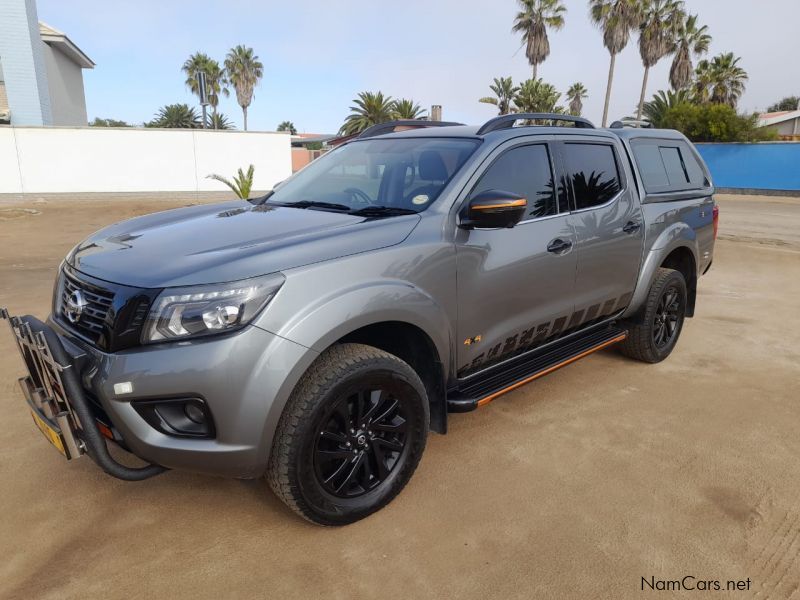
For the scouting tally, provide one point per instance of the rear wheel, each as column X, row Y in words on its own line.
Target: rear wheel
column 351, row 435
column 654, row 331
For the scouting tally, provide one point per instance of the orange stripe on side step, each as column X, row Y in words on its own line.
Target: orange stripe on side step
column 487, row 399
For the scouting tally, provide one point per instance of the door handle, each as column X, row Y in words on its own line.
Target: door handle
column 632, row 227
column 559, row 246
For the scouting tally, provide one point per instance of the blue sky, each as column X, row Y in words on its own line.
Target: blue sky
column 318, row 55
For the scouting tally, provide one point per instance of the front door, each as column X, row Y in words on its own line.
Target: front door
column 515, row 286
column 608, row 226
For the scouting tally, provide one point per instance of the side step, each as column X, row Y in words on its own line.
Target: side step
column 482, row 389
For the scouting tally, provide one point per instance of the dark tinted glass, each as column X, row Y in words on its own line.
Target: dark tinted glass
column 651, row 167
column 524, row 171
column 673, row 163
column 667, row 165
column 593, row 172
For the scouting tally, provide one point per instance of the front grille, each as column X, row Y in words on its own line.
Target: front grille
column 114, row 314
column 95, row 315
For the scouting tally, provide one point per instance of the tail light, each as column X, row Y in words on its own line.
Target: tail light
column 715, row 213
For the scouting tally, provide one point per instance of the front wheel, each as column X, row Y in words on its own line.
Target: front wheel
column 350, row 436
column 654, row 331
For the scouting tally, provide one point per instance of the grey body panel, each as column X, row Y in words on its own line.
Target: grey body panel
column 345, row 272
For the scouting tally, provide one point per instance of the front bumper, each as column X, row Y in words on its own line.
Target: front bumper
column 244, row 378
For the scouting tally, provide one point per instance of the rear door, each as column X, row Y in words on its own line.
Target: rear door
column 608, row 226
column 515, row 286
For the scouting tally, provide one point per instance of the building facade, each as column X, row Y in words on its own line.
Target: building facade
column 41, row 70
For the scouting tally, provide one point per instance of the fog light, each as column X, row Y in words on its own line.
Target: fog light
column 180, row 417
column 195, row 413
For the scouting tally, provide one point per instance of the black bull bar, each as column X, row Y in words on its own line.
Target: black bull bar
column 53, row 391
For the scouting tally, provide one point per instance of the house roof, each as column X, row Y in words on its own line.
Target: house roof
column 54, row 37
column 773, row 118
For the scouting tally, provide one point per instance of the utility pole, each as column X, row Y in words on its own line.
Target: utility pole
column 203, row 93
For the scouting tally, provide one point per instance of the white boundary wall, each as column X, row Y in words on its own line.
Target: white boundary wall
column 97, row 159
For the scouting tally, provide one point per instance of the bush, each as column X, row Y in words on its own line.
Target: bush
column 714, row 123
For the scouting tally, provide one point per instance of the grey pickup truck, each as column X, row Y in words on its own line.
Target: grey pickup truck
column 315, row 335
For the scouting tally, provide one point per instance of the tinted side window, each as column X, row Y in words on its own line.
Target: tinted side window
column 667, row 165
column 592, row 169
column 525, row 171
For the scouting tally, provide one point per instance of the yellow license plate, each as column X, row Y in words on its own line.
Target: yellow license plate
column 51, row 434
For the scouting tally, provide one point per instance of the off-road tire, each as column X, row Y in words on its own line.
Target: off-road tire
column 642, row 328
column 292, row 474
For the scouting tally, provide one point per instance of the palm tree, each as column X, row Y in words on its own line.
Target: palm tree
column 216, row 82
column 244, row 71
column 534, row 95
column 690, row 40
column 504, row 90
column 728, row 79
column 220, row 121
column 176, row 116
column 616, row 18
column 242, row 183
column 575, row 94
column 703, row 82
column 287, row 126
column 532, row 22
column 370, row 109
column 655, row 109
column 407, row 109
column 657, row 33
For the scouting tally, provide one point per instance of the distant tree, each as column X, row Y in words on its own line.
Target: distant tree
column 720, row 80
column 216, row 80
column 788, row 103
column 689, row 40
column 98, row 122
column 287, row 126
column 370, row 109
column 504, row 90
column 532, row 22
column 242, row 183
column 220, row 121
column 176, row 116
column 655, row 110
column 703, row 83
column 244, row 71
column 534, row 95
column 403, row 108
column 576, row 94
column 714, row 123
column 657, row 33
column 616, row 19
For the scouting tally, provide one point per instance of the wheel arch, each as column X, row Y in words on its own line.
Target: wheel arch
column 412, row 345
column 676, row 248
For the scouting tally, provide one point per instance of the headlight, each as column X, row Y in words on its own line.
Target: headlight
column 188, row 312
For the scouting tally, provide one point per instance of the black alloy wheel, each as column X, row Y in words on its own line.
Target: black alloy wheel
column 668, row 311
column 361, row 441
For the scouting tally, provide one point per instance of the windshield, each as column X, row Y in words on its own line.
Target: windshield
column 388, row 175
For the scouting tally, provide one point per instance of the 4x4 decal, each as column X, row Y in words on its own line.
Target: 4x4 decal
column 534, row 336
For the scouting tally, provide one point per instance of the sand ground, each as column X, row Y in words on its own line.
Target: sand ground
column 576, row 486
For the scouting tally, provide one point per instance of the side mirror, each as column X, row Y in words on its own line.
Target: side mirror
column 493, row 209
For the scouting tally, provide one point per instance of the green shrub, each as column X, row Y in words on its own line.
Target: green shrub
column 714, row 123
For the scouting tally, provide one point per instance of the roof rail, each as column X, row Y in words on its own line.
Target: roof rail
column 507, row 121
column 631, row 123
column 389, row 126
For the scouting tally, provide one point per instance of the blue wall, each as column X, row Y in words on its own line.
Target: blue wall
column 765, row 166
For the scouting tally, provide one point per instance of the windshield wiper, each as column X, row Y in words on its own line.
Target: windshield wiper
column 313, row 204
column 382, row 211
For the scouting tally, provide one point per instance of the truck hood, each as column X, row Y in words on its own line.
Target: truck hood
column 227, row 242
